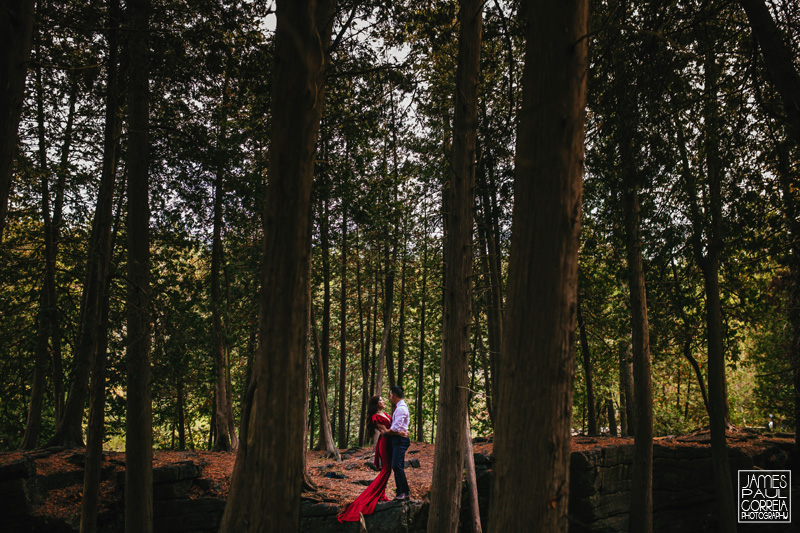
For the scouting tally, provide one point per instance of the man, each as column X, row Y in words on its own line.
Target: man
column 398, row 433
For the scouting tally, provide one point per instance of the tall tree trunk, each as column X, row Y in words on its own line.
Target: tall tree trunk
column 372, row 364
column 778, row 59
column 587, row 372
column 627, row 398
column 472, row 482
column 709, row 263
column 420, row 431
column 267, row 477
column 787, row 80
column 612, row 419
column 459, row 199
column 139, row 414
column 325, row 430
column 68, row 430
column 383, row 354
column 225, row 435
column 538, row 341
column 363, row 348
column 401, row 341
column 95, row 430
column 58, row 210
column 487, row 374
column 47, row 300
column 343, row 336
column 16, row 30
column 641, row 505
column 789, row 188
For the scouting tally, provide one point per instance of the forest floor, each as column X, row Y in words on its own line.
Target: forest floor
column 337, row 482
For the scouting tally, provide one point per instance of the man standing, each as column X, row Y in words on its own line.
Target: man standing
column 398, row 432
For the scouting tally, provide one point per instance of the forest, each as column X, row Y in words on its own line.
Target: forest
column 225, row 224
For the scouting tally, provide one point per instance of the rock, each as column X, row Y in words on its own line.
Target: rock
column 187, row 515
column 414, row 463
column 483, row 459
column 335, row 475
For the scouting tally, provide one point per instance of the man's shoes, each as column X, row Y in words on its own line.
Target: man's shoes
column 401, row 496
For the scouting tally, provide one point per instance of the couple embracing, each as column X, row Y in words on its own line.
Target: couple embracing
column 390, row 454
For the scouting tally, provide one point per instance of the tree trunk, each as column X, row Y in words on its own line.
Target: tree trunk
column 387, row 325
column 58, row 210
column 472, row 483
column 363, row 350
column 267, row 477
column 16, row 22
column 68, row 430
column 587, row 371
column 139, row 414
column 538, row 341
column 225, row 431
column 401, row 341
column 95, row 430
column 709, row 265
column 778, row 59
column 47, row 303
column 325, row 430
column 343, row 336
column 459, row 199
column 627, row 399
column 487, row 374
column 420, row 431
column 641, row 505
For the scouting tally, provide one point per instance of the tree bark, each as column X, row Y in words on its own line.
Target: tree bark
column 68, row 430
column 538, row 340
column 343, row 335
column 58, row 210
column 709, row 262
column 265, row 487
column 16, row 30
column 139, row 414
column 383, row 353
column 401, row 334
column 627, row 398
column 459, row 199
column 325, row 430
column 225, row 438
column 95, row 430
column 363, row 350
column 419, row 412
column 47, row 300
column 778, row 59
column 641, row 505
column 472, row 482
column 587, row 372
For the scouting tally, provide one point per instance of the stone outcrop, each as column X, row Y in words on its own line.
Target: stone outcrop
column 186, row 501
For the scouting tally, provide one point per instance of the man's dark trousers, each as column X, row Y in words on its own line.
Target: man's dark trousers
column 399, row 447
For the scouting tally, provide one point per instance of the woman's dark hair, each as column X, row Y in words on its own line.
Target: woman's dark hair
column 372, row 409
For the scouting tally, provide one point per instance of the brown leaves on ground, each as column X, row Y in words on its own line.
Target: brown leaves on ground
column 338, row 483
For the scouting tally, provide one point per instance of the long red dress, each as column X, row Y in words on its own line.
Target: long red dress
column 376, row 491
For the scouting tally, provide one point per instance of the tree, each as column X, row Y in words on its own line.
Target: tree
column 139, row 412
column 459, row 199
column 265, row 487
column 16, row 29
column 95, row 430
column 225, row 437
column 531, row 485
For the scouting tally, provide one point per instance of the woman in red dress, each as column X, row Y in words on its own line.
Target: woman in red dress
column 376, row 491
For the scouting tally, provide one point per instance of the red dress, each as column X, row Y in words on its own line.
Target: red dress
column 376, row 491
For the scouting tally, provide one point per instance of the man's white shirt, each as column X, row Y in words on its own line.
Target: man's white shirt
column 400, row 417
